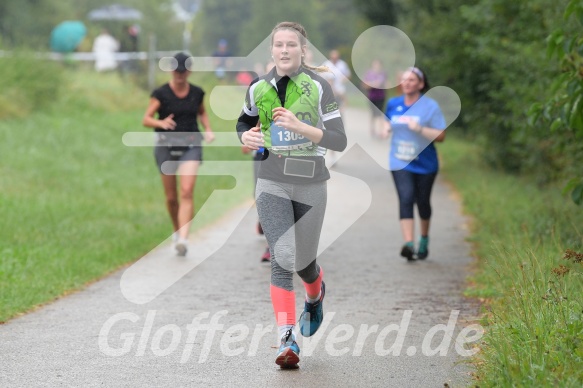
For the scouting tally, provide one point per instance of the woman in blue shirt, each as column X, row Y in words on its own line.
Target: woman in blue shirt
column 416, row 122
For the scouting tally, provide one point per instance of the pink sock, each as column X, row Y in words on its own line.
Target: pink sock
column 314, row 288
column 284, row 305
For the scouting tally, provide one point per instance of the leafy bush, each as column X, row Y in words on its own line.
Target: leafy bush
column 493, row 53
column 563, row 112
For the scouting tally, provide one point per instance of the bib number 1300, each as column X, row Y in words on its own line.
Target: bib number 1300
column 286, row 140
column 287, row 136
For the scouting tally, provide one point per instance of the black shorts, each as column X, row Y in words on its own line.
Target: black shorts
column 165, row 153
column 380, row 105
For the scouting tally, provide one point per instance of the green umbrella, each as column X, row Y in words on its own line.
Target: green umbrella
column 67, row 36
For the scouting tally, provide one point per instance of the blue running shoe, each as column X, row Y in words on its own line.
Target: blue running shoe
column 289, row 351
column 313, row 314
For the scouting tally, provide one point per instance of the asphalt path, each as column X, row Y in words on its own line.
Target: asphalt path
column 198, row 321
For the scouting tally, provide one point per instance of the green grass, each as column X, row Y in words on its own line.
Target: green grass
column 28, row 84
column 532, row 290
column 76, row 203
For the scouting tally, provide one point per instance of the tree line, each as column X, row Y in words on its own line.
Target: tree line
column 330, row 23
column 518, row 68
column 517, row 65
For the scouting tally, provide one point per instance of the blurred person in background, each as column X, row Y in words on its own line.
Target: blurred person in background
column 415, row 123
column 375, row 82
column 258, row 156
column 338, row 75
column 222, row 59
column 179, row 106
column 104, row 47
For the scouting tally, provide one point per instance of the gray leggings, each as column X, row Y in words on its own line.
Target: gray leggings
column 291, row 216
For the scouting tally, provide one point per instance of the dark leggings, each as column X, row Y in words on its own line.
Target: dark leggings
column 414, row 189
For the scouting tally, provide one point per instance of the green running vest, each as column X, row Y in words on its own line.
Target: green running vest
column 302, row 98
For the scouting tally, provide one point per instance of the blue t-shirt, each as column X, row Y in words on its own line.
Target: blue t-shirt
column 409, row 150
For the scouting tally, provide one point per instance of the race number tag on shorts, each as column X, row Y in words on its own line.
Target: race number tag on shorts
column 406, row 150
column 176, row 152
column 284, row 140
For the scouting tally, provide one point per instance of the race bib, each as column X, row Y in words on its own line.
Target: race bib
column 403, row 119
column 285, row 140
column 406, row 150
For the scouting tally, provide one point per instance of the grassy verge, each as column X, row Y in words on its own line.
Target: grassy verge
column 75, row 203
column 28, row 84
column 529, row 243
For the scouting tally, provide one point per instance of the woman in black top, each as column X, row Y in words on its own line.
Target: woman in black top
column 178, row 150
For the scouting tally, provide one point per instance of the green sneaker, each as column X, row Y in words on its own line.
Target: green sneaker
column 423, row 250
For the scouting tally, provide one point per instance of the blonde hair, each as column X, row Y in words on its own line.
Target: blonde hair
column 303, row 36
